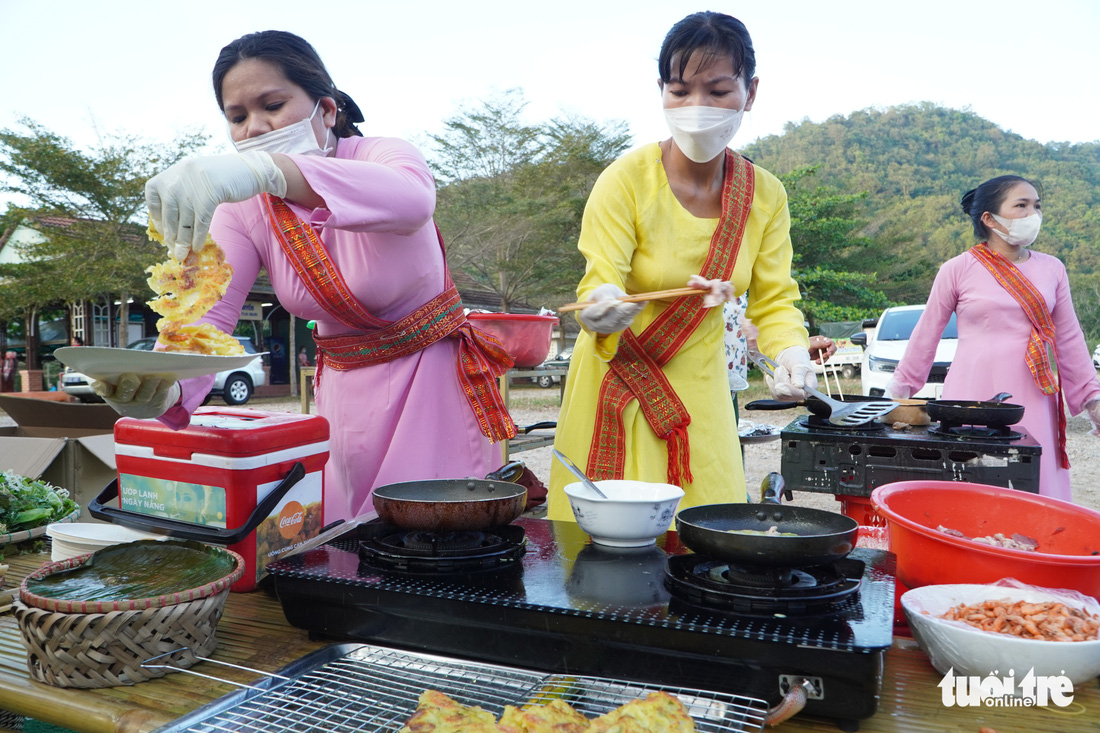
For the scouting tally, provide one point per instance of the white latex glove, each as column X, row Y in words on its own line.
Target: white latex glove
column 182, row 199
column 720, row 290
column 895, row 390
column 140, row 397
column 1093, row 410
column 795, row 372
column 609, row 314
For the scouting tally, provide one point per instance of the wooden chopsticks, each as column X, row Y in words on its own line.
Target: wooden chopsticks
column 639, row 298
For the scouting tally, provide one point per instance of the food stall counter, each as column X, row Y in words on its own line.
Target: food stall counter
column 254, row 633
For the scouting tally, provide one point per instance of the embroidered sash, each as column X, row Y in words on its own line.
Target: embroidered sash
column 1041, row 346
column 636, row 370
column 481, row 357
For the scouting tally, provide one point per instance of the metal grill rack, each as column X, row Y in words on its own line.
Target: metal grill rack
column 361, row 687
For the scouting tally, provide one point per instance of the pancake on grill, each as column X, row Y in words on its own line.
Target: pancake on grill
column 659, row 712
column 554, row 717
column 438, row 713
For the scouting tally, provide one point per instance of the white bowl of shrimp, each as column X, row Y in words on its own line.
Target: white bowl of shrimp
column 1006, row 630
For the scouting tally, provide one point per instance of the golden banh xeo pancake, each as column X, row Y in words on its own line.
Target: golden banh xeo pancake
column 186, row 290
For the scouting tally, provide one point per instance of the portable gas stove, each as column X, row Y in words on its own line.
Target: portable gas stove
column 851, row 462
column 657, row 615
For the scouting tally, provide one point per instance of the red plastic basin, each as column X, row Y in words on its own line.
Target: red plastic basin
column 526, row 336
column 1068, row 535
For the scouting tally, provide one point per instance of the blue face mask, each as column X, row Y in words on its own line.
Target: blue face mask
column 295, row 139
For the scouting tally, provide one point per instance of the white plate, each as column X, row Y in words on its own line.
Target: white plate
column 106, row 364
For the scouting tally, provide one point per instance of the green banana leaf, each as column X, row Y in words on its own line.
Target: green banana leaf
column 142, row 569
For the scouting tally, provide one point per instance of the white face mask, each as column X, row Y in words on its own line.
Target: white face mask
column 703, row 132
column 296, row 139
column 1021, row 232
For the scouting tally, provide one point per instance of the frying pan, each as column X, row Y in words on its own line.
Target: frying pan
column 813, row 404
column 823, row 537
column 967, row 412
column 448, row 505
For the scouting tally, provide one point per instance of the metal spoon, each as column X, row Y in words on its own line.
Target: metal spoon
column 573, row 469
column 1000, row 397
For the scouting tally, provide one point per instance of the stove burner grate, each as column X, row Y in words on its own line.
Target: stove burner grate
column 816, row 422
column 440, row 544
column 706, row 584
column 413, row 551
column 974, row 432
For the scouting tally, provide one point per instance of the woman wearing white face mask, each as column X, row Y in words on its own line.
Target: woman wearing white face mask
column 1018, row 332
column 343, row 225
column 647, row 395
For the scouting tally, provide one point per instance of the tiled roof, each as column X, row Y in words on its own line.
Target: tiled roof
column 136, row 235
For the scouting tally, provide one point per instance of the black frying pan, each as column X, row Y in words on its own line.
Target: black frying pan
column 823, row 537
column 968, row 412
column 448, row 505
column 813, row 404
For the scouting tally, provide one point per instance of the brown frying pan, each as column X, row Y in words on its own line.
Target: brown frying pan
column 448, row 505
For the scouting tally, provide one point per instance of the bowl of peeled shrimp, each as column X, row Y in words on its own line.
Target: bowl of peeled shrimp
column 1006, row 629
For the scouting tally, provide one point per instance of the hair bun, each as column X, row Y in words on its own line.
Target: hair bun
column 968, row 200
column 350, row 107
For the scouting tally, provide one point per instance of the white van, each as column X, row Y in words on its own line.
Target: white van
column 884, row 345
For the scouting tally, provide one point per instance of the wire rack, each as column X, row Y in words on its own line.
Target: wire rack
column 351, row 687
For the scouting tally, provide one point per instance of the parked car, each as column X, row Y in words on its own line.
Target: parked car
column 885, row 344
column 234, row 386
column 561, row 361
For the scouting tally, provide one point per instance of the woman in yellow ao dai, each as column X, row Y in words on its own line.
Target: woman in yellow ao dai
column 649, row 225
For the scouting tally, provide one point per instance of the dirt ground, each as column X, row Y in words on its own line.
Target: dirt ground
column 536, row 405
column 763, row 458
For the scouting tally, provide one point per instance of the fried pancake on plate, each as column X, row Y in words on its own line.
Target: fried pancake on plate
column 187, row 290
column 556, row 716
column 201, row 339
column 659, row 712
column 438, row 713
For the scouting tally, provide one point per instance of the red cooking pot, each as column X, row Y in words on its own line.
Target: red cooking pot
column 1068, row 535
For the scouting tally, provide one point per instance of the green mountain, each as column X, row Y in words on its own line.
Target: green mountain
column 915, row 162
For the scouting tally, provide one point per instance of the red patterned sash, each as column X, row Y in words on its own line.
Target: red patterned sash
column 636, row 370
column 481, row 357
column 1042, row 352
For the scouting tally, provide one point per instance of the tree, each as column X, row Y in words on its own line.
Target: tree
column 916, row 161
column 830, row 260
column 512, row 196
column 101, row 195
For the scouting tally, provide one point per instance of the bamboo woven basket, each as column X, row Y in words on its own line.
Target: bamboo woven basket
column 104, row 643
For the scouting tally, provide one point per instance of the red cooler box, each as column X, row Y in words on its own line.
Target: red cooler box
column 247, row 479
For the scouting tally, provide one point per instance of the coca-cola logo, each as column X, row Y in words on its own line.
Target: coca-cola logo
column 291, row 519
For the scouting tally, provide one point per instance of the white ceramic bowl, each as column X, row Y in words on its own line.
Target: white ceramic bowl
column 972, row 652
column 634, row 514
column 80, row 538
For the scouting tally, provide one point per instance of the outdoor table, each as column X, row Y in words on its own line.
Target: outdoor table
column 254, row 633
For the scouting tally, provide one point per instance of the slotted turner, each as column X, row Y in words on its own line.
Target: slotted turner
column 840, row 413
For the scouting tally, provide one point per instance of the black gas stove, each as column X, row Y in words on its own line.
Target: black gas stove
column 565, row 605
column 816, row 456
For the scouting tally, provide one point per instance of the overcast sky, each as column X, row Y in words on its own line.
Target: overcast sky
column 83, row 68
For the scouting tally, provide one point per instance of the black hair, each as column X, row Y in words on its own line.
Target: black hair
column 988, row 197
column 299, row 63
column 713, row 34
